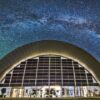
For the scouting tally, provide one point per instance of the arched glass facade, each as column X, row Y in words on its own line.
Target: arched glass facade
column 49, row 76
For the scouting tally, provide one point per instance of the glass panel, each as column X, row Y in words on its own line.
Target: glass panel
column 50, row 76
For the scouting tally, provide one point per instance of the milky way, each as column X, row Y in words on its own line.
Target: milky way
column 73, row 21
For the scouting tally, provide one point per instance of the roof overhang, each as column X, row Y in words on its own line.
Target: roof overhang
column 49, row 47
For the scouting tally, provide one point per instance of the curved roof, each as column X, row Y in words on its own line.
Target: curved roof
column 49, row 47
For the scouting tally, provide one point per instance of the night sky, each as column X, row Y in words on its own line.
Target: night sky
column 73, row 21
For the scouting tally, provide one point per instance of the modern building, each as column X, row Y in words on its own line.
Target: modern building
column 49, row 69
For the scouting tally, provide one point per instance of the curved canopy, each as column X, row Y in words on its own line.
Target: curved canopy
column 49, row 47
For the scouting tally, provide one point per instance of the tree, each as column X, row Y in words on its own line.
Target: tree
column 3, row 91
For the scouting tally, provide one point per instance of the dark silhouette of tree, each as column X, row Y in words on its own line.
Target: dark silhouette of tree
column 3, row 91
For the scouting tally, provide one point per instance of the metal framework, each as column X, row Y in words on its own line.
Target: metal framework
column 55, row 71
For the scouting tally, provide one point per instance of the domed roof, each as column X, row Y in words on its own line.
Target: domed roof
column 49, row 47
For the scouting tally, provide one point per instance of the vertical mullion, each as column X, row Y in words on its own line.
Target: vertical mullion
column 36, row 73
column 24, row 73
column 11, row 77
column 61, row 74
column 74, row 79
column 80, row 84
column 49, row 75
column 55, row 72
column 87, row 79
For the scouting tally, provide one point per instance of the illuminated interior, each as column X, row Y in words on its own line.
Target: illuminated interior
column 49, row 76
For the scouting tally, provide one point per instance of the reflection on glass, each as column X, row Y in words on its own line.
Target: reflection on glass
column 49, row 76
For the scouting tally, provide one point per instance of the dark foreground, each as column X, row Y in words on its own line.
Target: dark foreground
column 93, row 98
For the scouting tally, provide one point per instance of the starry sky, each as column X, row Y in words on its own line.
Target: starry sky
column 72, row 21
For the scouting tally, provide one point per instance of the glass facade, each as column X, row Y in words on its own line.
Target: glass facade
column 49, row 76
